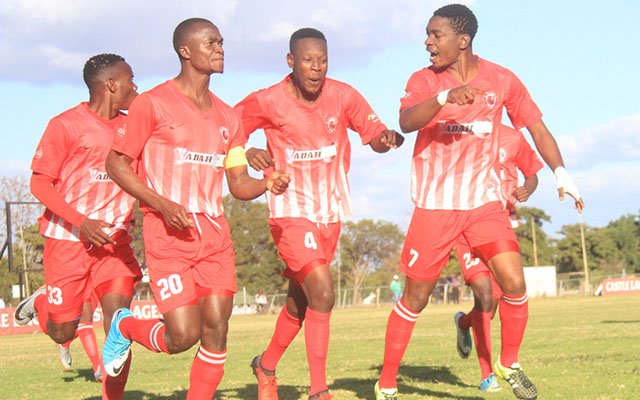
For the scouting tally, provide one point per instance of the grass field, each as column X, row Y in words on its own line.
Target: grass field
column 575, row 348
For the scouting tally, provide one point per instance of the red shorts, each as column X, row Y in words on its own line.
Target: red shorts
column 474, row 268
column 72, row 270
column 186, row 265
column 432, row 234
column 301, row 242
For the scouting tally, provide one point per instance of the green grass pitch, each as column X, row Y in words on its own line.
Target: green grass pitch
column 574, row 348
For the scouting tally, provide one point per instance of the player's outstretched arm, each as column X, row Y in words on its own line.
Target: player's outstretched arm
column 119, row 169
column 548, row 149
column 388, row 139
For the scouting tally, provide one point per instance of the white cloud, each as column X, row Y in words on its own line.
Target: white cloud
column 70, row 31
column 614, row 141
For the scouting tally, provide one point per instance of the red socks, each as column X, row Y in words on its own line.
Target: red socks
column 399, row 328
column 113, row 388
column 316, row 335
column 287, row 328
column 514, row 312
column 206, row 373
column 89, row 342
column 465, row 321
column 481, row 323
column 149, row 333
column 42, row 308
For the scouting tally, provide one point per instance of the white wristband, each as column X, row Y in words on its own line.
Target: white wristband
column 441, row 98
column 564, row 181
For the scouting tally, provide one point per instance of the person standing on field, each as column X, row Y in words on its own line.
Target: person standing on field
column 88, row 218
column 187, row 141
column 305, row 118
column 456, row 106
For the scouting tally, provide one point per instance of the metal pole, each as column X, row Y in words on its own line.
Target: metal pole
column 535, row 242
column 587, row 285
column 339, row 270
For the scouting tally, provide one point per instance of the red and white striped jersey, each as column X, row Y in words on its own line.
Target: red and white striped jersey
column 455, row 158
column 311, row 143
column 181, row 149
column 73, row 151
column 515, row 154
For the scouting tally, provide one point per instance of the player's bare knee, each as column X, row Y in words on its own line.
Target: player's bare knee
column 322, row 300
column 514, row 287
column 183, row 342
column 416, row 301
column 61, row 334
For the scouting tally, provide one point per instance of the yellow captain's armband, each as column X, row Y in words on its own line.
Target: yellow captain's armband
column 235, row 158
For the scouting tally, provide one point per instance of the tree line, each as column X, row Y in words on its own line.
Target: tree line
column 368, row 253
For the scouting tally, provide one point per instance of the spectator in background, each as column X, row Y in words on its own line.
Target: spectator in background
column 397, row 287
column 455, row 289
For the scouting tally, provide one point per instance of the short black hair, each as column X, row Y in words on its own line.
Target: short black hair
column 96, row 65
column 305, row 33
column 183, row 30
column 460, row 17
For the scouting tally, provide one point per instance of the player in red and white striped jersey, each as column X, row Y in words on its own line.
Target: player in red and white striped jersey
column 515, row 154
column 87, row 219
column 305, row 118
column 187, row 140
column 456, row 105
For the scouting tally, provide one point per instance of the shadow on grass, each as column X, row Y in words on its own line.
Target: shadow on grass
column 82, row 374
column 636, row 321
column 361, row 388
column 285, row 392
column 139, row 395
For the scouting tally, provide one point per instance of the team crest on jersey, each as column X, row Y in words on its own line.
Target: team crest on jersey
column 224, row 134
column 121, row 131
column 502, row 155
column 39, row 153
column 97, row 176
column 332, row 124
column 373, row 118
column 491, row 99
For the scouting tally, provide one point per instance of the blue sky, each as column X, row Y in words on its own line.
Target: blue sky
column 578, row 60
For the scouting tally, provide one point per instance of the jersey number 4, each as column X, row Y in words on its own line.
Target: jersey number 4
column 310, row 241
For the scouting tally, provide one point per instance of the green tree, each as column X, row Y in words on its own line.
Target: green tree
column 569, row 248
column 625, row 234
column 364, row 246
column 258, row 266
column 533, row 217
column 26, row 243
